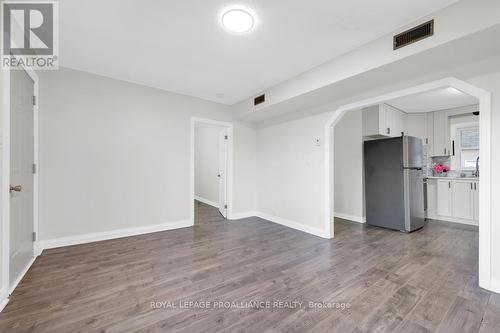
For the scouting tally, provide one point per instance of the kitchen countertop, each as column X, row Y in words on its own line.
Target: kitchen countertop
column 453, row 177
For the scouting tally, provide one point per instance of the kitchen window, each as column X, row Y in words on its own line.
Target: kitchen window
column 467, row 147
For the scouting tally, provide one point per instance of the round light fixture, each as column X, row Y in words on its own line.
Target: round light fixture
column 238, row 21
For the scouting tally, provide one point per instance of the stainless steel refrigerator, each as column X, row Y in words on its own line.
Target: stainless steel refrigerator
column 394, row 183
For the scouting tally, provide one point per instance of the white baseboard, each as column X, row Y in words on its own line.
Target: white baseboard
column 294, row 225
column 453, row 220
column 243, row 215
column 3, row 302
column 100, row 236
column 206, row 201
column 354, row 218
column 495, row 286
column 23, row 273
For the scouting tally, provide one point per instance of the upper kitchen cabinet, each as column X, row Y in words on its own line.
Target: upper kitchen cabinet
column 441, row 144
column 383, row 120
column 421, row 125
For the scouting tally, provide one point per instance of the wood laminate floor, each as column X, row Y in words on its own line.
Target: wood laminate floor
column 394, row 282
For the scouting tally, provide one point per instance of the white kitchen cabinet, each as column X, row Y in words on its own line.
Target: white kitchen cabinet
column 475, row 199
column 441, row 144
column 430, row 133
column 431, row 197
column 462, row 199
column 383, row 120
column 396, row 121
column 421, row 125
column 443, row 206
column 453, row 200
column 417, row 125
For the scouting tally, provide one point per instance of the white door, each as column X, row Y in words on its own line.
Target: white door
column 21, row 173
column 223, row 139
column 443, row 197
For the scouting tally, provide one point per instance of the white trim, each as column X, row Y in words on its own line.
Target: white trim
column 194, row 121
column 206, row 201
column 5, row 196
column 242, row 215
column 495, row 286
column 3, row 302
column 293, row 224
column 21, row 276
column 113, row 234
column 453, row 220
column 484, row 98
column 5, row 177
column 354, row 218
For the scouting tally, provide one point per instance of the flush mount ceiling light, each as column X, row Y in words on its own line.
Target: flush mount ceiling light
column 238, row 20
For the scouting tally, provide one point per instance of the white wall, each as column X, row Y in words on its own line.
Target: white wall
column 244, row 169
column 289, row 171
column 348, row 159
column 206, row 163
column 115, row 155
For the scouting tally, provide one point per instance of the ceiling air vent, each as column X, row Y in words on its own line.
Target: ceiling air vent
column 414, row 35
column 259, row 99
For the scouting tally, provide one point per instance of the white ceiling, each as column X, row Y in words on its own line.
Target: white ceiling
column 446, row 98
column 180, row 45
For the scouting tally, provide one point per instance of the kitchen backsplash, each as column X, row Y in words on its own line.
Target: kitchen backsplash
column 444, row 160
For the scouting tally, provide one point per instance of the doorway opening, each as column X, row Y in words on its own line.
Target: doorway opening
column 453, row 138
column 212, row 169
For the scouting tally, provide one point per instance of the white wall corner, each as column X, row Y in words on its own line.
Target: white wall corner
column 354, row 218
column 206, row 201
column 37, row 248
column 294, row 225
column 113, row 234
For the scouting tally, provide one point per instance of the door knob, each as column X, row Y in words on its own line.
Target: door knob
column 17, row 188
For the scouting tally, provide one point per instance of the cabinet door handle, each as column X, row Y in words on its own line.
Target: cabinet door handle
column 388, row 130
column 453, row 147
column 475, row 186
column 445, row 151
column 471, row 186
column 449, row 184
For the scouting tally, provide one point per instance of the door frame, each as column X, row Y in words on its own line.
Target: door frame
column 229, row 159
column 6, row 289
column 485, row 222
column 223, row 144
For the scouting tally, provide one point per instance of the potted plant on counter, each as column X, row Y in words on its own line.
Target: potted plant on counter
column 441, row 169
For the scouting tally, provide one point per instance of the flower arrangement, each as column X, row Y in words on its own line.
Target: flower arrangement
column 440, row 168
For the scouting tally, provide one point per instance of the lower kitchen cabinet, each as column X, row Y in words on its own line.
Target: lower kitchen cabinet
column 475, row 199
column 443, row 207
column 456, row 200
column 462, row 200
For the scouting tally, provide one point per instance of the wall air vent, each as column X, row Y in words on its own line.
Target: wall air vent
column 259, row 99
column 414, row 35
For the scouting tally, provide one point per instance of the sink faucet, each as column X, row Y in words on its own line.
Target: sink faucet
column 477, row 166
